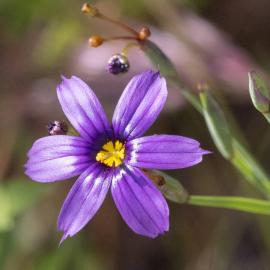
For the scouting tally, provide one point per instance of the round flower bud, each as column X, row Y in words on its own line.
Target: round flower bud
column 89, row 9
column 95, row 41
column 118, row 63
column 57, row 128
column 144, row 33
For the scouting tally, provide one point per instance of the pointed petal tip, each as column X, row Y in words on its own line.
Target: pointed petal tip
column 206, row 152
column 153, row 73
column 63, row 77
column 64, row 237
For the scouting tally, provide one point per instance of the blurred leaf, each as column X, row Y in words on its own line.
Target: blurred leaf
column 56, row 40
column 259, row 94
column 5, row 246
column 18, row 15
column 249, row 205
column 15, row 197
column 159, row 59
column 217, row 124
column 70, row 255
column 11, row 124
column 167, row 69
column 250, row 168
column 230, row 147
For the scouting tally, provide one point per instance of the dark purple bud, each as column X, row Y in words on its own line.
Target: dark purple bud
column 57, row 128
column 118, row 63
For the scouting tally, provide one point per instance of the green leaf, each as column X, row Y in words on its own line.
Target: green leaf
column 254, row 206
column 223, row 132
column 167, row 69
column 15, row 198
column 55, row 41
column 217, row 124
column 250, row 168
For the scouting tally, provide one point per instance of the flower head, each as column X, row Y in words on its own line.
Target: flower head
column 112, row 156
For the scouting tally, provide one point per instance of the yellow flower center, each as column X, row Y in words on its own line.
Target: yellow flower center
column 112, row 154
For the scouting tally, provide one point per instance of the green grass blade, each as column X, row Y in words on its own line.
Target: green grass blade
column 254, row 206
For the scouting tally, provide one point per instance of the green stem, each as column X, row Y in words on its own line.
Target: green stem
column 249, row 167
column 249, row 205
column 242, row 159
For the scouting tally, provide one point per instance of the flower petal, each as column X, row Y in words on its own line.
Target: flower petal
column 58, row 157
column 82, row 108
column 140, row 203
column 164, row 152
column 139, row 105
column 84, row 200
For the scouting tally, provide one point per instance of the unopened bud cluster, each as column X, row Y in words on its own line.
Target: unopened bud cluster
column 118, row 63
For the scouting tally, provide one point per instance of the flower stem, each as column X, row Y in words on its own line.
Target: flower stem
column 242, row 159
column 250, row 168
column 254, row 206
column 120, row 24
column 120, row 38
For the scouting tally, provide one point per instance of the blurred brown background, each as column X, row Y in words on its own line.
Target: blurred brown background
column 207, row 40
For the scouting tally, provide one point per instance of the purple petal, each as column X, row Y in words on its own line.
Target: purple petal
column 140, row 203
column 56, row 158
column 139, row 105
column 84, row 200
column 164, row 152
column 82, row 108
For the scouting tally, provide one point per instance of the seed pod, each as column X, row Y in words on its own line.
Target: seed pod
column 57, row 128
column 144, row 33
column 118, row 63
column 90, row 10
column 95, row 41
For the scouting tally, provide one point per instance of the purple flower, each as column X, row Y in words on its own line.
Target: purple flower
column 111, row 155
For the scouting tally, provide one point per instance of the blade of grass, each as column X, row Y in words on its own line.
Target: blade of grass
column 254, row 206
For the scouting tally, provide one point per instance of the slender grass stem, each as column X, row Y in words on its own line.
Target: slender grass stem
column 254, row 206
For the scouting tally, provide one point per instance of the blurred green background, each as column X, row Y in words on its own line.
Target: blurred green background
column 207, row 40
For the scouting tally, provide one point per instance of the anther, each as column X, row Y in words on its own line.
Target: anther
column 57, row 128
column 112, row 154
